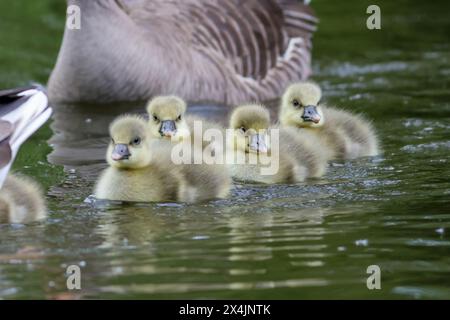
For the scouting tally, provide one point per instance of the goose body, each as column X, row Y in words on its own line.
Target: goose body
column 345, row 135
column 202, row 50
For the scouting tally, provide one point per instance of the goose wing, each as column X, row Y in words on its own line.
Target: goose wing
column 258, row 39
column 22, row 112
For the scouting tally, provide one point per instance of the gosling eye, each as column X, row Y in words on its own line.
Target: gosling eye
column 155, row 118
column 296, row 103
column 179, row 118
column 136, row 141
column 243, row 129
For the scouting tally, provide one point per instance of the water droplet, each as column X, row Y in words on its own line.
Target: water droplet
column 362, row 242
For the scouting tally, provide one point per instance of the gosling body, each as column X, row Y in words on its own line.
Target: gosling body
column 297, row 159
column 306, row 149
column 289, row 171
column 21, row 200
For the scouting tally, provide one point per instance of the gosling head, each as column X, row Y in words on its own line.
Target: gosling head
column 166, row 117
column 251, row 124
column 299, row 106
column 129, row 147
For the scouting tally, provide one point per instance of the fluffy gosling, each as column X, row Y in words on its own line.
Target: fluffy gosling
column 141, row 169
column 346, row 135
column 21, row 200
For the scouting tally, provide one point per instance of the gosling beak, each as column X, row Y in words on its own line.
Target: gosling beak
column 311, row 115
column 120, row 152
column 258, row 143
column 168, row 128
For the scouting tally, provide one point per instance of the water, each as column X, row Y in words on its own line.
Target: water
column 313, row 240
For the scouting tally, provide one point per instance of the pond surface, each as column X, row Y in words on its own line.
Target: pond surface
column 312, row 240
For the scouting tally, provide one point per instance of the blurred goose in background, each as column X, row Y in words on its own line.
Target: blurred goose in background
column 227, row 52
column 22, row 112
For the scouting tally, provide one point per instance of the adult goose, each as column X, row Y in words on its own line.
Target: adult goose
column 201, row 50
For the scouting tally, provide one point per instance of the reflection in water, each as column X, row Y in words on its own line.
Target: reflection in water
column 130, row 234
column 140, row 226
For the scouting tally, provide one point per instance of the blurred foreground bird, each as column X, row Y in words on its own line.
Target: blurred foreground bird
column 226, row 52
column 22, row 112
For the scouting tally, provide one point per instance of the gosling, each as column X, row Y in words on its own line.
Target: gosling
column 346, row 135
column 297, row 158
column 21, row 200
column 141, row 169
column 168, row 120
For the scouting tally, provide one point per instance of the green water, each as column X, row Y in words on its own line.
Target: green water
column 313, row 240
